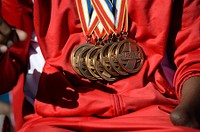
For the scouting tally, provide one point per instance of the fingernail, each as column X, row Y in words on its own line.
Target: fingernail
column 9, row 43
column 3, row 48
column 21, row 35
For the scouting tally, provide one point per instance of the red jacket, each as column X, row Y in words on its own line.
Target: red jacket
column 153, row 24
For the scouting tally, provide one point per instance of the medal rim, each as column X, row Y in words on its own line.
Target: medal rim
column 110, row 52
column 73, row 57
column 139, row 50
column 90, row 76
column 110, row 79
column 97, row 76
column 103, row 61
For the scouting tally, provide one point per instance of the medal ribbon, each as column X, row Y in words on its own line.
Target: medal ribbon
column 125, row 16
column 111, row 15
column 88, row 16
column 102, row 17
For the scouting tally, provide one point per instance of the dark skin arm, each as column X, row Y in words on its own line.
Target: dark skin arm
column 187, row 113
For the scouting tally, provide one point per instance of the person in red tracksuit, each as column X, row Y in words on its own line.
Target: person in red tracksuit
column 162, row 96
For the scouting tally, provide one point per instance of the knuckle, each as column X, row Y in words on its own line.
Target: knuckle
column 7, row 31
column 3, row 48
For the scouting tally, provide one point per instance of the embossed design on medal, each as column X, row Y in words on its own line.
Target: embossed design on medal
column 100, row 68
column 112, row 56
column 105, row 60
column 82, row 64
column 129, row 56
column 75, row 57
column 90, row 61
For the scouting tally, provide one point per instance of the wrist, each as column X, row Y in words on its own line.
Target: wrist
column 190, row 89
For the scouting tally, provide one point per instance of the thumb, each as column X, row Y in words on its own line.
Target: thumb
column 21, row 35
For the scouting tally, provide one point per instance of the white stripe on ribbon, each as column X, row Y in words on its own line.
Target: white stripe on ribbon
column 115, row 20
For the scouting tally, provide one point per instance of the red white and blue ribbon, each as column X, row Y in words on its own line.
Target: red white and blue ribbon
column 110, row 14
column 88, row 16
column 100, row 18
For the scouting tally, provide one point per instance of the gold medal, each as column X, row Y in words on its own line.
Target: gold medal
column 90, row 61
column 105, row 60
column 75, row 56
column 113, row 59
column 100, row 68
column 129, row 56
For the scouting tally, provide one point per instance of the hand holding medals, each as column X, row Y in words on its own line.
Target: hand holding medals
column 111, row 59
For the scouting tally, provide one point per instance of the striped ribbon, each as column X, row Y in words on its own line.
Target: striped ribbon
column 88, row 16
column 100, row 18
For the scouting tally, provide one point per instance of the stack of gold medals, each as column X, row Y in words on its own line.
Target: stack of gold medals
column 108, row 54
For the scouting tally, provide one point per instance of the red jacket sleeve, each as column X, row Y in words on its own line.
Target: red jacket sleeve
column 187, row 43
column 12, row 63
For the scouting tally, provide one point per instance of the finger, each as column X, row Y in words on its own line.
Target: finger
column 21, row 34
column 9, row 43
column 15, row 36
column 4, row 28
column 2, row 38
column 3, row 48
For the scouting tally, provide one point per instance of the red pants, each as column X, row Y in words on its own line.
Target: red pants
column 150, row 119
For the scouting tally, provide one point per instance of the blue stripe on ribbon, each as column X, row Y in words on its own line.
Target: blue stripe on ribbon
column 112, row 6
column 114, row 3
column 90, row 8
